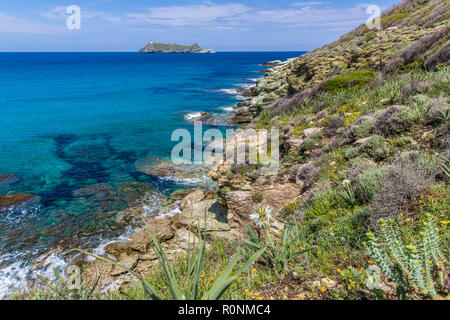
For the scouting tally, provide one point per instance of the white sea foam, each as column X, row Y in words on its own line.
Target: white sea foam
column 100, row 250
column 246, row 86
column 193, row 116
column 233, row 92
column 16, row 275
column 228, row 109
column 203, row 181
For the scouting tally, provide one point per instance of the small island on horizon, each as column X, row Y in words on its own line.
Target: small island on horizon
column 152, row 47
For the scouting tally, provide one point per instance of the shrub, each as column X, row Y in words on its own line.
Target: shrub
column 363, row 127
column 368, row 184
column 351, row 153
column 376, row 148
column 311, row 141
column 290, row 103
column 336, row 122
column 394, row 120
column 440, row 56
column 354, row 79
column 417, row 268
column 402, row 142
column 307, row 173
column 438, row 112
column 257, row 197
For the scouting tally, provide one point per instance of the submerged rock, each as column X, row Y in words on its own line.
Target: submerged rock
column 6, row 178
column 15, row 200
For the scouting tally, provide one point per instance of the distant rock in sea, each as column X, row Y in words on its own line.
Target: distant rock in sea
column 173, row 48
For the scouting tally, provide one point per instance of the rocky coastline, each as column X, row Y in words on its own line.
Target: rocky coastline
column 221, row 212
column 317, row 149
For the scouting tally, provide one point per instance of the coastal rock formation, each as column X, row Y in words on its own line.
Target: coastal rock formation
column 15, row 200
column 164, row 169
column 175, row 233
column 173, row 48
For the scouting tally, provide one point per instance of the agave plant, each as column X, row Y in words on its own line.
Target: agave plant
column 61, row 288
column 445, row 164
column 278, row 252
column 195, row 269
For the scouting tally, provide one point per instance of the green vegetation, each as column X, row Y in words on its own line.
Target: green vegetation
column 415, row 267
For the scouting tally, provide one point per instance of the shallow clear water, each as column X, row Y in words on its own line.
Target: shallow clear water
column 73, row 120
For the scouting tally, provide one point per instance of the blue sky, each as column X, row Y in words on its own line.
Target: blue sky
column 232, row 25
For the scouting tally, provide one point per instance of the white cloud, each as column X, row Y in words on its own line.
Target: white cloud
column 309, row 3
column 57, row 13
column 191, row 15
column 208, row 15
column 10, row 23
column 233, row 15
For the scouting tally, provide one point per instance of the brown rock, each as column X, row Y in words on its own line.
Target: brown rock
column 241, row 206
column 162, row 230
column 182, row 193
column 192, row 198
column 14, row 200
column 128, row 261
column 209, row 215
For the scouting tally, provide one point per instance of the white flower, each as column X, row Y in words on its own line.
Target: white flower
column 268, row 211
column 346, row 182
column 254, row 217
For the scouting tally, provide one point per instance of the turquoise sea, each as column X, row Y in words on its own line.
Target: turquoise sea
column 69, row 121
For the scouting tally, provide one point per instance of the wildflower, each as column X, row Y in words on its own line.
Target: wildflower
column 444, row 222
column 256, row 294
column 338, row 270
column 346, row 182
column 261, row 217
column 323, row 289
column 370, row 262
column 408, row 220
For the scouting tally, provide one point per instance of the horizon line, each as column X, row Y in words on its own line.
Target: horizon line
column 152, row 53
